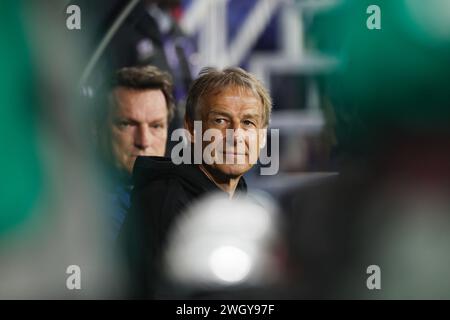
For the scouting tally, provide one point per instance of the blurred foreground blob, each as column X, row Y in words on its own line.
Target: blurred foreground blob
column 224, row 248
column 390, row 212
column 20, row 166
column 50, row 202
column 388, row 80
column 389, row 205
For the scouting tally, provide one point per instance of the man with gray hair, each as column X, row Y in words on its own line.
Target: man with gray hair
column 227, row 114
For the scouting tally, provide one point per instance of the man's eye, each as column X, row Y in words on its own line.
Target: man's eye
column 219, row 121
column 124, row 124
column 157, row 126
column 248, row 123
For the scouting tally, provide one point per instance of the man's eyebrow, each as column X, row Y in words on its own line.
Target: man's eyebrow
column 135, row 121
column 162, row 119
column 252, row 115
column 220, row 112
column 123, row 119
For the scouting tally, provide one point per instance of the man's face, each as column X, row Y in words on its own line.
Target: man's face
column 240, row 112
column 138, row 125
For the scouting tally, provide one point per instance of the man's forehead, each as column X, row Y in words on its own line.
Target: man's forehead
column 146, row 103
column 125, row 94
column 225, row 98
column 231, row 92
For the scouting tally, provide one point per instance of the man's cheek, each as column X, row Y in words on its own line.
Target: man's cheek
column 125, row 140
column 253, row 146
column 164, row 137
column 123, row 147
column 161, row 140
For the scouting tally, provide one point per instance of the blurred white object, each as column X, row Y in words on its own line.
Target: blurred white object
column 230, row 264
column 222, row 242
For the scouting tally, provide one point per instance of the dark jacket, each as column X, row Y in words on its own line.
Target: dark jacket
column 162, row 191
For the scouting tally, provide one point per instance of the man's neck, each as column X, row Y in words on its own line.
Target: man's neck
column 225, row 183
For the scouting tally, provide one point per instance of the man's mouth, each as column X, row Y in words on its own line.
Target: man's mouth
column 234, row 154
column 139, row 154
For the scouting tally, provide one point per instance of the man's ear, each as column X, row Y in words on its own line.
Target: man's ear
column 190, row 129
column 262, row 137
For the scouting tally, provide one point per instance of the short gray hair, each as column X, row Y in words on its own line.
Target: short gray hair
column 211, row 79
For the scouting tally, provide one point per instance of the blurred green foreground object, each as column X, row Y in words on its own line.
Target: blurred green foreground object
column 19, row 163
column 395, row 79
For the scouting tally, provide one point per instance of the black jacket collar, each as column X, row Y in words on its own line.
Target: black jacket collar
column 147, row 169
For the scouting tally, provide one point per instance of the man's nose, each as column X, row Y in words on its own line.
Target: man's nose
column 142, row 138
column 239, row 134
column 236, row 135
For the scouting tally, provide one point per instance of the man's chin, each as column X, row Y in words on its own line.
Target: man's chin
column 232, row 170
column 127, row 166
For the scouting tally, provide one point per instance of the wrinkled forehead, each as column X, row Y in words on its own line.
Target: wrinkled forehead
column 130, row 102
column 230, row 92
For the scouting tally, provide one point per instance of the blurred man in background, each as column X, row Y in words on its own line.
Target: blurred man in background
column 139, row 108
column 231, row 99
